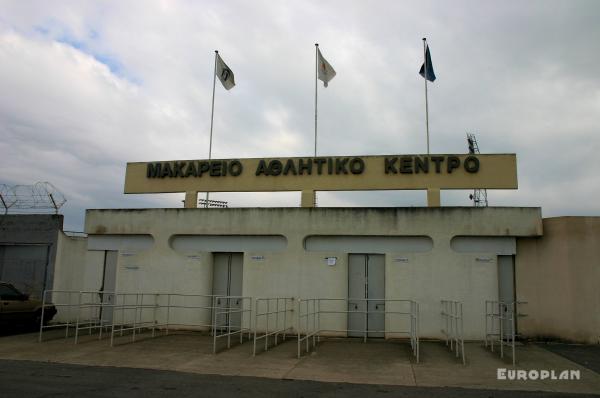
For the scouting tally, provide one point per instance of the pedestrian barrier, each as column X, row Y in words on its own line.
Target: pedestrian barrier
column 274, row 317
column 500, row 325
column 160, row 313
column 452, row 327
column 230, row 315
column 307, row 324
column 400, row 318
column 66, row 303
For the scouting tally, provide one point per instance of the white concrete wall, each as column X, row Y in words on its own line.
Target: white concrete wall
column 76, row 269
column 427, row 277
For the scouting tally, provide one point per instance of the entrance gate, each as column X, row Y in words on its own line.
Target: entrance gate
column 227, row 281
column 366, row 295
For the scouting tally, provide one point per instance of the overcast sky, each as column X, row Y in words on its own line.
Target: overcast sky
column 89, row 86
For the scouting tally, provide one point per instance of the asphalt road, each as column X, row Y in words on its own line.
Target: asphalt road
column 41, row 379
column 585, row 355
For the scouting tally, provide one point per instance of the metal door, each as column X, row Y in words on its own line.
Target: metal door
column 109, row 284
column 227, row 281
column 366, row 285
column 376, row 295
column 25, row 266
column 506, row 286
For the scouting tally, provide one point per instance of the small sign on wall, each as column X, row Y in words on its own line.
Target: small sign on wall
column 331, row 261
column 257, row 258
column 400, row 260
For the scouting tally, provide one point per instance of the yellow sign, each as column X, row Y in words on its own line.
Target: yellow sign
column 339, row 173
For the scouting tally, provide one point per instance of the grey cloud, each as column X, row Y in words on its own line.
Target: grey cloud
column 521, row 75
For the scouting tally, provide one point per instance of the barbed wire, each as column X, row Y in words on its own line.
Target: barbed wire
column 41, row 196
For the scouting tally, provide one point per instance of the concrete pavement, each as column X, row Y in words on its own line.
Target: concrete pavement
column 335, row 360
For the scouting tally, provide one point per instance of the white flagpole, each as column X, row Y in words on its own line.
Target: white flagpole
column 212, row 114
column 316, row 75
column 426, row 100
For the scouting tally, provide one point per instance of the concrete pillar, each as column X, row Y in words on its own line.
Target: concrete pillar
column 433, row 197
column 191, row 200
column 307, row 199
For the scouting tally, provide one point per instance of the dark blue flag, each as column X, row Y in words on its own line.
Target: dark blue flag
column 430, row 74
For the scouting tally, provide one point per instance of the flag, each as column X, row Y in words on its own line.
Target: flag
column 325, row 71
column 430, row 73
column 225, row 74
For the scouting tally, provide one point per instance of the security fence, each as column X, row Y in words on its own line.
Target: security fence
column 389, row 318
column 273, row 317
column 452, row 327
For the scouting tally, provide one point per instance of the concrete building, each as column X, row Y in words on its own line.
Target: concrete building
column 421, row 254
column 360, row 259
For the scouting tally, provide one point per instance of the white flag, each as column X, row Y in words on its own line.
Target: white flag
column 225, row 74
column 325, row 71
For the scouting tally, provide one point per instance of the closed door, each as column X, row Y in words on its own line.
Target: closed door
column 109, row 284
column 227, row 282
column 506, row 288
column 366, row 295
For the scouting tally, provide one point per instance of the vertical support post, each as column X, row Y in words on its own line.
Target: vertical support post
column 191, row 200
column 307, row 198
column 112, row 327
column 42, row 318
column 426, row 99
column 168, row 311
column 501, row 318
column 319, row 319
column 228, row 310
column 267, row 325
column 514, row 313
column 212, row 116
column 214, row 316
column 77, row 321
column 298, row 324
column 433, row 197
column 154, row 313
column 285, row 300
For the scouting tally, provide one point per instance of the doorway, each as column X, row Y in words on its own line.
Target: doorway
column 227, row 281
column 366, row 295
column 506, row 287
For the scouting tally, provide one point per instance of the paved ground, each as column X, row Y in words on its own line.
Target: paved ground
column 37, row 379
column 335, row 361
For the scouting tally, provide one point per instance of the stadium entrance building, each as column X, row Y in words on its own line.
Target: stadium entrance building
column 364, row 257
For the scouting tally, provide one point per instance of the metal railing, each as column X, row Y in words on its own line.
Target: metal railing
column 275, row 317
column 307, row 324
column 79, row 311
column 500, row 325
column 91, row 311
column 228, row 318
column 158, row 312
column 316, row 309
column 452, row 327
column 64, row 301
column 121, row 314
